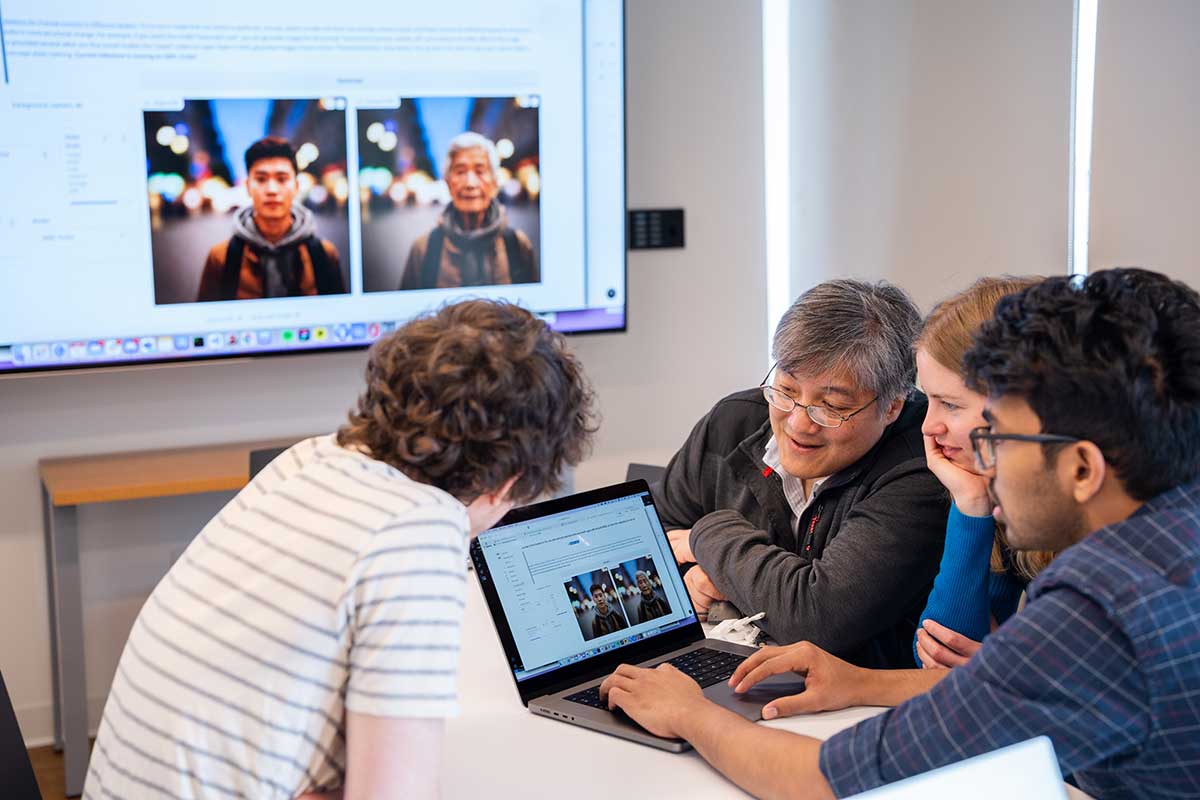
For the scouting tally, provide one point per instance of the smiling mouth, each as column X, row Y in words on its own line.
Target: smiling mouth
column 803, row 447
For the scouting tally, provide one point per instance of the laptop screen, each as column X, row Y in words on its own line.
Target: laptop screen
column 1028, row 769
column 585, row 581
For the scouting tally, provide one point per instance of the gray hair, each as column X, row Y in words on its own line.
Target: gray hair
column 470, row 140
column 866, row 329
column 642, row 573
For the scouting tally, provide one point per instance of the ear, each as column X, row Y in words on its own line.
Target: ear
column 1083, row 468
column 487, row 509
column 501, row 494
column 893, row 410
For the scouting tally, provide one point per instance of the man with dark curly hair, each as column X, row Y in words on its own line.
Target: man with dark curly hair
column 1092, row 450
column 307, row 641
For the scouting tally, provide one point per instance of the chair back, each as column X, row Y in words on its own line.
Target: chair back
column 650, row 472
column 260, row 458
column 16, row 773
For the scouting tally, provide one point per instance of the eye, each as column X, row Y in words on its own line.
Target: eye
column 836, row 409
column 950, row 406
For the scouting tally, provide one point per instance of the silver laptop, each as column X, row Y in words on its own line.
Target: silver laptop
column 581, row 584
column 1028, row 770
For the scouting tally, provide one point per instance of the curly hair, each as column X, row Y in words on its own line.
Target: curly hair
column 471, row 395
column 1114, row 359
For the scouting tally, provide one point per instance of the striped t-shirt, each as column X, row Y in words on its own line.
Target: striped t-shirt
column 331, row 583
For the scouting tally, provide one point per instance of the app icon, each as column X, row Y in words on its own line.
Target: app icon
column 130, row 346
column 59, row 350
column 183, row 343
column 166, row 344
column 149, row 345
column 216, row 341
column 373, row 330
column 21, row 353
column 41, row 352
column 247, row 338
column 342, row 332
column 78, row 349
column 96, row 347
column 388, row 327
column 304, row 334
column 320, row 334
column 264, row 337
column 112, row 347
column 358, row 330
column 231, row 340
column 288, row 336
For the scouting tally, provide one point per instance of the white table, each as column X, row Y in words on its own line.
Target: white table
column 495, row 748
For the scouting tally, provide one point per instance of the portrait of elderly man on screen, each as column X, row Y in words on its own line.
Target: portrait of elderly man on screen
column 472, row 243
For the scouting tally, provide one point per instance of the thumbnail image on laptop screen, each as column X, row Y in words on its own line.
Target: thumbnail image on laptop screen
column 582, row 582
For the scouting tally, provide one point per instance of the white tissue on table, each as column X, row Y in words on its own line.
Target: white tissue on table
column 738, row 631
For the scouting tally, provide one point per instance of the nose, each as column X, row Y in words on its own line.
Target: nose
column 801, row 422
column 932, row 426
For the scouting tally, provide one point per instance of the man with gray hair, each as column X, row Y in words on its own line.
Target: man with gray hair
column 808, row 498
column 472, row 244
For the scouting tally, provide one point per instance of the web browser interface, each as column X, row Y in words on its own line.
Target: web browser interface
column 434, row 151
column 580, row 583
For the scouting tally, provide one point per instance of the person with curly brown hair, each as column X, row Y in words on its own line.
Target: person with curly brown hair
column 306, row 643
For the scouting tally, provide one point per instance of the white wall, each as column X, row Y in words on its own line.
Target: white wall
column 931, row 140
column 1145, row 162
column 696, row 323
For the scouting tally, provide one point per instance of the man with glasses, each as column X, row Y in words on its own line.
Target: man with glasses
column 1092, row 450
column 808, row 498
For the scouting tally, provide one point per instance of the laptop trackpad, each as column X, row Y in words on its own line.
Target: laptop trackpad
column 749, row 704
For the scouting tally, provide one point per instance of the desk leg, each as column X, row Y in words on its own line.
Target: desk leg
column 47, row 523
column 66, row 620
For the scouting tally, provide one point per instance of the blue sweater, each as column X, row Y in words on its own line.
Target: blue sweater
column 966, row 593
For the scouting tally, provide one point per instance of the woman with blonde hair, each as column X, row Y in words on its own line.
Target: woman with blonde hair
column 981, row 579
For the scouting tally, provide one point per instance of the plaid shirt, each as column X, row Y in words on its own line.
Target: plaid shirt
column 1104, row 659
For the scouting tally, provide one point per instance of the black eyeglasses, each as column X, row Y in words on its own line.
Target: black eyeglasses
column 822, row 415
column 983, row 442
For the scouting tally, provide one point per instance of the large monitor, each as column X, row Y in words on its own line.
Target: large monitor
column 207, row 180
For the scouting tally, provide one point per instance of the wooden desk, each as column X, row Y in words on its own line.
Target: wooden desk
column 71, row 482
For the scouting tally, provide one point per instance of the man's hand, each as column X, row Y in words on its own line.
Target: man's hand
column 681, row 545
column 657, row 699
column 938, row 647
column 702, row 590
column 969, row 490
column 829, row 682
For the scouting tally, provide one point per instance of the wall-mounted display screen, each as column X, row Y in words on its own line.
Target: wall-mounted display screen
column 229, row 179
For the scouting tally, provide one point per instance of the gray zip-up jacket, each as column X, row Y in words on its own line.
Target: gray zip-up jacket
column 854, row 579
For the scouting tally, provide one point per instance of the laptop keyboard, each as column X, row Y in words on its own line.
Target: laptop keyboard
column 704, row 665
